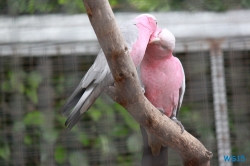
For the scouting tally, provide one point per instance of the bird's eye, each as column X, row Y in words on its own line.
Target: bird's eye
column 164, row 47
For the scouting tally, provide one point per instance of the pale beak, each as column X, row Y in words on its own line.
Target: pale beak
column 155, row 40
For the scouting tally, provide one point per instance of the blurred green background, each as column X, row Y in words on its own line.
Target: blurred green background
column 17, row 7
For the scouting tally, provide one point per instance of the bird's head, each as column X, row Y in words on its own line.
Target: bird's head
column 148, row 20
column 163, row 38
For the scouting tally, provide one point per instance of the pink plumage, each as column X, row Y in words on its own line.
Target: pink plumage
column 162, row 74
column 163, row 78
column 142, row 40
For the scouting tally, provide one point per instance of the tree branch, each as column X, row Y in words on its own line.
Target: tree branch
column 128, row 91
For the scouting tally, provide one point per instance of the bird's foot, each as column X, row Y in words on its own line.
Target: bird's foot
column 179, row 123
column 161, row 110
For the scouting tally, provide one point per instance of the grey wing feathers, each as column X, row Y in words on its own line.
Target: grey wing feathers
column 73, row 100
column 95, row 80
column 181, row 91
column 87, row 99
column 76, row 114
column 98, row 69
column 86, row 88
column 130, row 33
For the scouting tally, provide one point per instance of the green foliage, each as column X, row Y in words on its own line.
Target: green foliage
column 246, row 150
column 95, row 114
column 71, row 8
column 50, row 135
column 113, row 2
column 120, row 131
column 14, row 83
column 150, row 5
column 34, row 118
column 104, row 142
column 83, row 139
column 60, row 155
column 129, row 121
column 18, row 126
column 60, row 119
column 28, row 140
column 124, row 160
column 78, row 158
column 245, row 3
column 33, row 81
column 17, row 7
column 215, row 5
column 134, row 143
column 30, row 6
column 32, row 95
column 58, row 82
column 5, row 151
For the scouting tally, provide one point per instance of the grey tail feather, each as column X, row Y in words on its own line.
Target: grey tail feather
column 72, row 120
column 148, row 159
column 76, row 114
column 73, row 100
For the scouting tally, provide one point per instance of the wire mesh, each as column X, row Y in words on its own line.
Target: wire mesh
column 33, row 90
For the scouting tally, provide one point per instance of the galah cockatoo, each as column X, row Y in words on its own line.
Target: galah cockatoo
column 136, row 33
column 162, row 76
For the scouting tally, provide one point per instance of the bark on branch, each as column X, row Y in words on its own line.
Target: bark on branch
column 128, row 91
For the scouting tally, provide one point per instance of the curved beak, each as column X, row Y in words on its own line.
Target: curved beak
column 155, row 40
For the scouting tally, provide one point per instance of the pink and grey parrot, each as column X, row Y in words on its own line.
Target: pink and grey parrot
column 162, row 76
column 136, row 33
